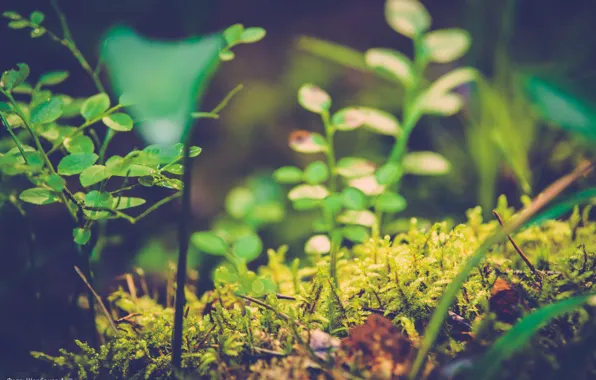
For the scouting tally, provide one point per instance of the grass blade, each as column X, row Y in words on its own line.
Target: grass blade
column 516, row 338
column 440, row 313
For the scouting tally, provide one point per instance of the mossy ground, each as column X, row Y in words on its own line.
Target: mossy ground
column 370, row 325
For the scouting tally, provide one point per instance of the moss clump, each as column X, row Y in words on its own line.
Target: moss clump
column 311, row 328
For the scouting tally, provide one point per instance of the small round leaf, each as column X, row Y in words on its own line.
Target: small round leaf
column 426, row 163
column 47, row 111
column 95, row 105
column 53, row 78
column 357, row 234
column 390, row 202
column 307, row 142
column 395, row 63
column 354, row 167
column 308, row 192
column 248, row 247
column 233, row 34
column 389, row 174
column 407, row 17
column 368, row 185
column 316, row 173
column 313, row 98
column 353, row 199
column 362, row 218
column 79, row 144
column 93, row 174
column 317, row 245
column 76, row 163
column 39, row 196
column 288, row 175
column 239, row 202
column 210, row 243
column 373, row 119
column 36, row 17
column 120, row 122
column 446, row 45
column 252, row 34
column 81, row 236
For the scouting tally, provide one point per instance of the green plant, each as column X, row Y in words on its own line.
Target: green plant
column 165, row 105
column 401, row 278
column 346, row 189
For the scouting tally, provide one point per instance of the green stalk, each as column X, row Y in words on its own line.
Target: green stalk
column 68, row 42
column 14, row 137
column 183, row 241
column 331, row 163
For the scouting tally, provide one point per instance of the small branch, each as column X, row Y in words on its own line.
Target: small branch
column 157, row 205
column 126, row 317
column 84, row 126
column 62, row 18
column 284, row 297
column 98, row 298
column 14, row 137
column 518, row 249
column 227, row 99
column 214, row 114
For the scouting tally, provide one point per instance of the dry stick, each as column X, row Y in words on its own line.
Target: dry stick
column 103, row 307
column 518, row 249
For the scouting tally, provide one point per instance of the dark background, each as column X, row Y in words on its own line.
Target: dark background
column 252, row 134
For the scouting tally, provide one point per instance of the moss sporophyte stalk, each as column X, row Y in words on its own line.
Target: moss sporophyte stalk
column 362, row 299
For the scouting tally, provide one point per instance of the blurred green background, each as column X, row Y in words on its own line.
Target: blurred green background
column 516, row 134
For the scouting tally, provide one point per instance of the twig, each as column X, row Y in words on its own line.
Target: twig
column 518, row 249
column 225, row 100
column 284, row 297
column 127, row 317
column 101, row 304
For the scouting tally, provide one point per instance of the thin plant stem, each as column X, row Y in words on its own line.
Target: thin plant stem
column 69, row 43
column 101, row 304
column 330, row 153
column 157, row 205
column 518, row 249
column 84, row 126
column 104, row 146
column 14, row 137
column 183, row 241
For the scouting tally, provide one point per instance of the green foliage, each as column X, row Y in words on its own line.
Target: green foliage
column 402, row 277
column 237, row 34
column 43, row 114
column 366, row 182
column 516, row 338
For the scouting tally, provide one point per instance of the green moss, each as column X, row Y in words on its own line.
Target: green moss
column 401, row 277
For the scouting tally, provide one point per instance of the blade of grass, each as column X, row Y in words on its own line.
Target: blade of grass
column 516, row 338
column 440, row 313
column 564, row 206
